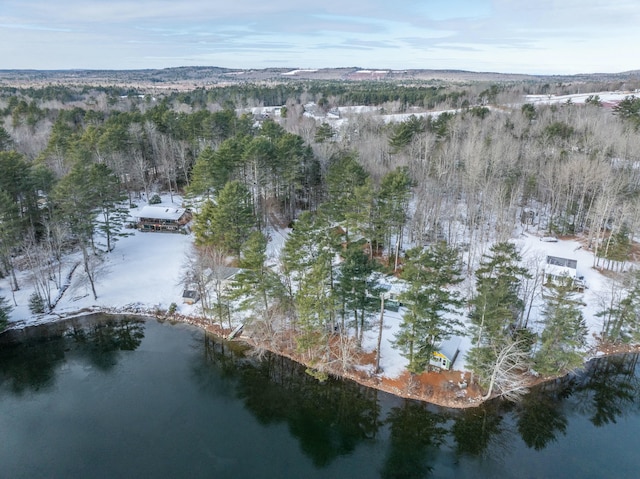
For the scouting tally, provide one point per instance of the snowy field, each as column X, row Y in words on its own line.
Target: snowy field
column 144, row 269
column 605, row 97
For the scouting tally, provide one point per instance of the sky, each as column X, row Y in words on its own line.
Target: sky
column 509, row 36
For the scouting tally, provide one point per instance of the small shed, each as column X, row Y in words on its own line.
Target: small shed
column 392, row 292
column 447, row 352
column 527, row 216
column 190, row 296
column 163, row 218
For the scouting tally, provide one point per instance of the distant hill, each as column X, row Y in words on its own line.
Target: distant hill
column 190, row 77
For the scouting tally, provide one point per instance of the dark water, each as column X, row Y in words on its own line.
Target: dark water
column 117, row 397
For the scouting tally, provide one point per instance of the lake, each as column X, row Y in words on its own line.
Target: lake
column 118, row 396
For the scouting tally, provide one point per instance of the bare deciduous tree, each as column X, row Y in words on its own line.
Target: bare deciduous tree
column 507, row 376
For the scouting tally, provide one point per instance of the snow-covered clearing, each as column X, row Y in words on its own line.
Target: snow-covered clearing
column 605, row 97
column 534, row 253
column 144, row 269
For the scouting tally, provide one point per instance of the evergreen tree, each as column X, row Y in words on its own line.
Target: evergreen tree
column 616, row 248
column 9, row 234
column 202, row 179
column 359, row 213
column 17, row 180
column 357, row 288
column 564, row 331
column 75, row 204
column 36, row 303
column 307, row 259
column 259, row 158
column 5, row 310
column 431, row 305
column 257, row 288
column 621, row 318
column 324, row 132
column 393, row 203
column 304, row 245
column 227, row 222
column 629, row 109
column 215, row 168
column 289, row 172
column 529, row 111
column 403, row 133
column 315, row 304
column 107, row 194
column 344, row 176
column 6, row 142
column 496, row 306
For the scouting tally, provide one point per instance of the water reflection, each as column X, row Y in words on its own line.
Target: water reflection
column 475, row 429
column 31, row 366
column 329, row 419
column 332, row 419
column 213, row 396
column 610, row 387
column 30, row 358
column 416, row 437
column 102, row 342
column 540, row 418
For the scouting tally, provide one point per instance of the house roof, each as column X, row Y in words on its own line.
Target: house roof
column 161, row 212
column 557, row 266
column 558, row 271
column 225, row 273
column 450, row 347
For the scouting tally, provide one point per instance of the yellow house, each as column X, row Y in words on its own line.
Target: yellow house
column 447, row 352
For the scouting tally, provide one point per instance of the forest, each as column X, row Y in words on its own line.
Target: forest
column 431, row 201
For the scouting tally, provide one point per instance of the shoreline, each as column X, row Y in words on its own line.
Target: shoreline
column 405, row 386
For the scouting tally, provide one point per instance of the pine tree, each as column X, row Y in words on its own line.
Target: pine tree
column 302, row 245
column 202, row 179
column 257, row 288
column 431, row 305
column 5, row 310
column 6, row 142
column 324, row 132
column 307, row 259
column 564, row 331
column 76, row 203
column 393, row 204
column 344, row 176
column 314, row 303
column 108, row 197
column 357, row 288
column 36, row 303
column 496, row 306
column 9, row 234
column 616, row 248
column 227, row 222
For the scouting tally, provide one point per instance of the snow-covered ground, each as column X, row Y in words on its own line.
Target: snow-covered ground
column 143, row 272
column 597, row 285
column 605, row 97
column 144, row 269
column 534, row 252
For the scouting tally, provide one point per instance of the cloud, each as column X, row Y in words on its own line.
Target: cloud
column 499, row 35
column 42, row 28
